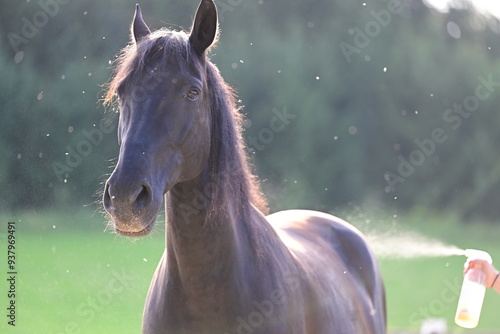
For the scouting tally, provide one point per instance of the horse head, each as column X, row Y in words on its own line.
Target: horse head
column 165, row 118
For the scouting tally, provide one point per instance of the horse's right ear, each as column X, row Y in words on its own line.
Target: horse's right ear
column 204, row 29
column 139, row 28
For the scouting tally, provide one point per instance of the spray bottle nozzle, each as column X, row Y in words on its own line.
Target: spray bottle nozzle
column 478, row 254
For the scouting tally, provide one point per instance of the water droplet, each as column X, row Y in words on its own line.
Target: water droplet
column 453, row 30
column 85, row 13
column 83, row 92
column 317, row 78
column 90, row 74
column 54, row 227
column 63, row 77
column 19, row 156
column 40, row 155
column 70, row 129
column 353, row 130
column 247, row 123
column 19, row 57
column 385, row 69
column 39, row 96
column 335, row 137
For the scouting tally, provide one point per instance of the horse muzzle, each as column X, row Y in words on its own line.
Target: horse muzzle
column 133, row 208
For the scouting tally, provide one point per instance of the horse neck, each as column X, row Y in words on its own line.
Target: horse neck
column 201, row 243
column 214, row 262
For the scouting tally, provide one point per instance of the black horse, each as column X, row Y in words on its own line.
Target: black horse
column 227, row 268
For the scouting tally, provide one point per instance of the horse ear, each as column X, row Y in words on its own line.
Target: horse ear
column 139, row 27
column 204, row 28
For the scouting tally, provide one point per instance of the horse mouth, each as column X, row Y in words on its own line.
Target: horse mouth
column 141, row 233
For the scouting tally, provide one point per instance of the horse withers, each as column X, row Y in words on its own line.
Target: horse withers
column 227, row 267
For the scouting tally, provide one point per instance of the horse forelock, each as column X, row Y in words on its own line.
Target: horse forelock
column 150, row 53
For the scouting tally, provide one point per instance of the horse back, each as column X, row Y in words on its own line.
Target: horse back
column 337, row 259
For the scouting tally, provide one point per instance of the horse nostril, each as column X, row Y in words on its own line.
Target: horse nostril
column 108, row 199
column 143, row 197
column 139, row 199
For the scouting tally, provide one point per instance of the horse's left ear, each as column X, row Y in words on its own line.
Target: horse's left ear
column 139, row 28
column 204, row 27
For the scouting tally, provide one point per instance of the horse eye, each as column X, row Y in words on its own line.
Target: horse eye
column 193, row 94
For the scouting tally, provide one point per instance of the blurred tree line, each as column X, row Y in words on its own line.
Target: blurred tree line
column 387, row 102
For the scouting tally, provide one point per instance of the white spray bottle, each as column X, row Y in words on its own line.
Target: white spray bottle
column 472, row 293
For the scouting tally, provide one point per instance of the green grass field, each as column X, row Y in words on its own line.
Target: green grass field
column 72, row 277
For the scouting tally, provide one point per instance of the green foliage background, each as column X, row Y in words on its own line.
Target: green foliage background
column 354, row 117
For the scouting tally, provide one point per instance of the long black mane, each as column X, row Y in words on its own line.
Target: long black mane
column 228, row 163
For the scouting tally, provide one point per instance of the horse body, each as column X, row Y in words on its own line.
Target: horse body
column 227, row 268
column 309, row 273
